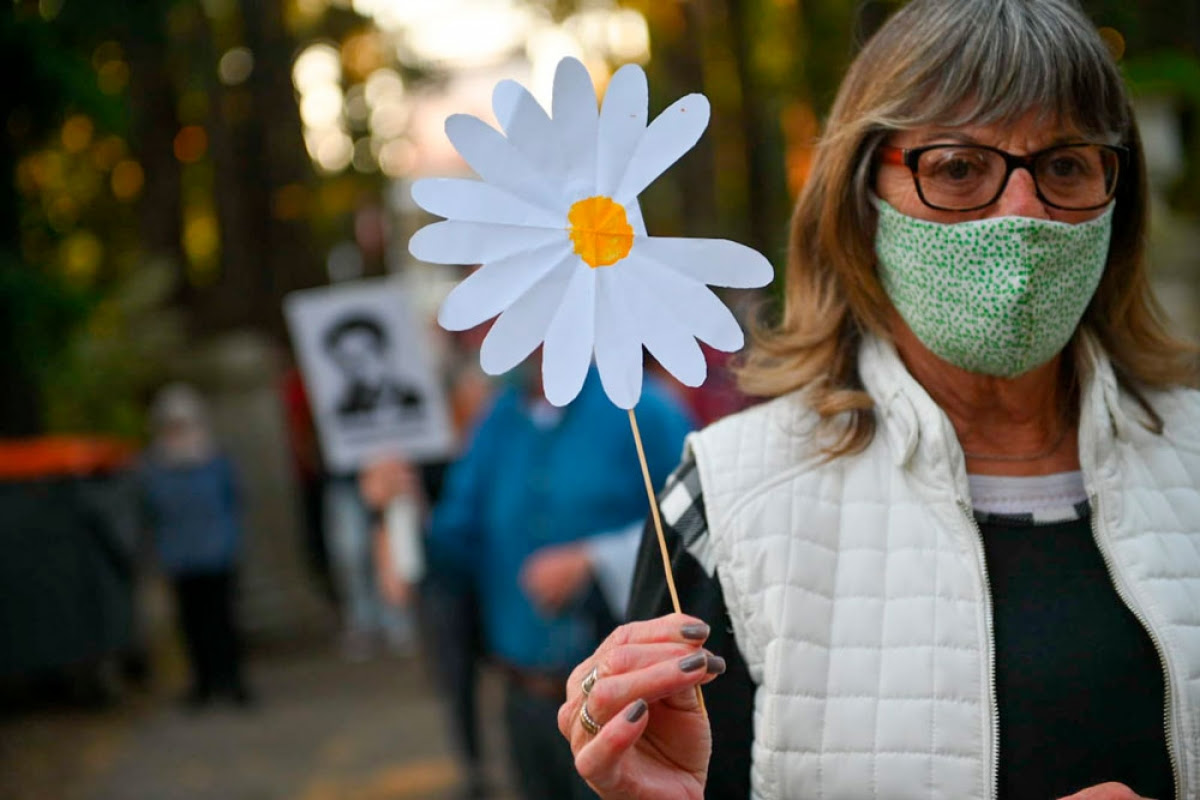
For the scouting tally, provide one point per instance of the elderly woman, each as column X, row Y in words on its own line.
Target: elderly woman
column 958, row 556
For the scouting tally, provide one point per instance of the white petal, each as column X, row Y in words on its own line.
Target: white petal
column 690, row 302
column 529, row 128
column 567, row 353
column 498, row 161
column 618, row 350
column 664, row 336
column 469, row 200
column 520, row 329
column 716, row 262
column 670, row 135
column 576, row 119
column 622, row 123
column 497, row 285
column 453, row 242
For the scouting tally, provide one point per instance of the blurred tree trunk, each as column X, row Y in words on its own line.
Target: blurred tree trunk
column 288, row 258
column 697, row 180
column 19, row 407
column 257, row 149
column 767, row 201
column 154, row 102
column 826, row 41
column 241, row 286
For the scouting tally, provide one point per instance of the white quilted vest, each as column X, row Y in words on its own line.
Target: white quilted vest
column 858, row 592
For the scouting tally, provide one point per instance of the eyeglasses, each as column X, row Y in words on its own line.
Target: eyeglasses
column 965, row 177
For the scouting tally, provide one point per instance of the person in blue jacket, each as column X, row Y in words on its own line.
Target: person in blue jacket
column 190, row 496
column 533, row 515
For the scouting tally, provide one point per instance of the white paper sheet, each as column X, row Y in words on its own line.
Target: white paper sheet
column 622, row 123
column 497, row 161
column 618, row 351
column 528, row 127
column 470, row 200
column 498, row 284
column 518, row 331
column 669, row 136
column 454, row 242
column 567, row 354
column 576, row 119
column 716, row 262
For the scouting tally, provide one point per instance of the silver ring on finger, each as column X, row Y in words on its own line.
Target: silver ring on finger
column 587, row 721
column 589, row 681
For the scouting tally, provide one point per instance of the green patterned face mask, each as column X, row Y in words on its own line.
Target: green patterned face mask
column 997, row 296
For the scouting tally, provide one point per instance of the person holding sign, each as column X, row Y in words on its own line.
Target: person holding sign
column 958, row 556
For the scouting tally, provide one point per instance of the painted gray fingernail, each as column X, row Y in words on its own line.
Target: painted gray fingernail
column 715, row 665
column 696, row 631
column 638, row 710
column 693, row 662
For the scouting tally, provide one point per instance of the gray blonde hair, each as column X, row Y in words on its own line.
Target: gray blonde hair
column 949, row 63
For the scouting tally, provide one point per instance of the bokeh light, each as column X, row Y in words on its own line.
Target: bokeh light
column 191, row 144
column 357, row 109
column 81, row 254
column 334, row 151
column 127, row 180
column 397, row 158
column 113, row 77
column 201, row 237
column 363, row 53
column 235, row 66
column 77, row 133
column 107, row 152
column 1115, row 41
column 344, row 92
column 363, row 157
column 318, row 65
column 321, row 106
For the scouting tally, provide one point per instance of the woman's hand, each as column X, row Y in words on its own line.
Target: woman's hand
column 654, row 742
column 1106, row 791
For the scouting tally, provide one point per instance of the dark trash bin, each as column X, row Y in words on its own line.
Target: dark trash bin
column 67, row 556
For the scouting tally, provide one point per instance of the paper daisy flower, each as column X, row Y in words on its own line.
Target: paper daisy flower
column 566, row 261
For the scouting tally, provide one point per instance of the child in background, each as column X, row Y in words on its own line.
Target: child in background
column 191, row 500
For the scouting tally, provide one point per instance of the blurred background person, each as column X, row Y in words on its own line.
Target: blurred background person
column 190, row 495
column 445, row 605
column 367, row 620
column 535, row 476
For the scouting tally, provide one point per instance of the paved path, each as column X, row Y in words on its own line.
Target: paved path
column 325, row 730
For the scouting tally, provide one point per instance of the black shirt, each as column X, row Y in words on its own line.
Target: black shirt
column 1079, row 684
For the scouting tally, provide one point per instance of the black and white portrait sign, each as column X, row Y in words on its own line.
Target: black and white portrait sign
column 369, row 374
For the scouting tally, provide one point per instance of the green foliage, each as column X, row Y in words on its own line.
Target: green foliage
column 98, row 380
column 70, row 361
column 1171, row 72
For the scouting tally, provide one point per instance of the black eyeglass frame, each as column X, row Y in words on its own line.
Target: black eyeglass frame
column 910, row 157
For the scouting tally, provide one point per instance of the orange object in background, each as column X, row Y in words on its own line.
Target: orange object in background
column 56, row 456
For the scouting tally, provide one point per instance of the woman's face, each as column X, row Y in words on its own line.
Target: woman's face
column 1029, row 134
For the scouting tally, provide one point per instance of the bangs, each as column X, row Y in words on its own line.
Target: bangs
column 986, row 62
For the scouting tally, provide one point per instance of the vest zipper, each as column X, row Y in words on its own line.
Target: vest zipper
column 1124, row 594
column 991, row 790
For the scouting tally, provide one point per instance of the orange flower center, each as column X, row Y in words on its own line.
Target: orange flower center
column 600, row 232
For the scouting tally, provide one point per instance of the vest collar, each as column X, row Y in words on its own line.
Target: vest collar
column 919, row 431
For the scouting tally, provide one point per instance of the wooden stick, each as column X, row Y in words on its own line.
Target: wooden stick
column 658, row 529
